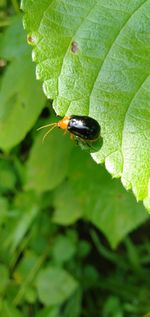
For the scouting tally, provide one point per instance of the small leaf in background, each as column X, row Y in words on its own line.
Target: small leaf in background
column 93, row 58
column 47, row 165
column 21, row 98
column 7, row 176
column 55, row 285
column 90, row 276
column 66, row 213
column 61, row 244
column 84, row 248
column 112, row 308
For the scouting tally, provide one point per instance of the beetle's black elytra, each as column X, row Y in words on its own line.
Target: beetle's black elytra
column 84, row 127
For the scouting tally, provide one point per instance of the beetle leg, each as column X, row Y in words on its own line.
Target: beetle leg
column 72, row 137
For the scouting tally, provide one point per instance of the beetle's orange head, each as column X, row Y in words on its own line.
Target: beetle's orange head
column 63, row 124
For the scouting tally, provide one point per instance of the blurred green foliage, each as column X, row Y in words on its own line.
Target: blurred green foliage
column 55, row 206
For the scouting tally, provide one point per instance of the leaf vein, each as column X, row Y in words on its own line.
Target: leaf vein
column 72, row 40
column 130, row 103
column 117, row 35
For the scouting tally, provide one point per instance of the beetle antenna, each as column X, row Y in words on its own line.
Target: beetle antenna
column 46, row 134
column 47, row 125
column 52, row 125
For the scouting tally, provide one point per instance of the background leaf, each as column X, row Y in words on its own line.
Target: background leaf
column 67, row 208
column 93, row 58
column 27, row 206
column 9, row 310
column 19, row 90
column 54, row 286
column 101, row 200
column 62, row 244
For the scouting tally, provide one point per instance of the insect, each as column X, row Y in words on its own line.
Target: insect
column 85, row 128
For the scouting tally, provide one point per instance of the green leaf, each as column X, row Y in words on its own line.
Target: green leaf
column 8, row 310
column 13, row 41
column 73, row 307
column 30, row 295
column 101, row 200
column 61, row 244
column 26, row 206
column 66, row 213
column 113, row 307
column 93, row 58
column 7, row 176
column 21, row 97
column 84, row 248
column 45, row 169
column 55, row 285
column 27, row 263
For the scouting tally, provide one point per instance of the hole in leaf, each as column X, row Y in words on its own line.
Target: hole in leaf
column 74, row 47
